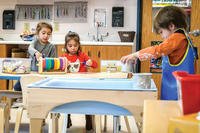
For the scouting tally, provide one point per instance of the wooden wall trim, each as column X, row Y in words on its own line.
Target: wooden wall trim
column 195, row 24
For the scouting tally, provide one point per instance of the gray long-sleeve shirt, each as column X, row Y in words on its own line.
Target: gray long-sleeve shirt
column 48, row 50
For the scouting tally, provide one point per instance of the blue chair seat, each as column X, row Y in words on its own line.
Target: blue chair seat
column 91, row 108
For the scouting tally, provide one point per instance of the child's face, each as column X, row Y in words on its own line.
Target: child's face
column 44, row 35
column 72, row 47
column 165, row 33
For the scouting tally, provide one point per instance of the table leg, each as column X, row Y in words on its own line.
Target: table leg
column 105, row 123
column 10, row 84
column 36, row 125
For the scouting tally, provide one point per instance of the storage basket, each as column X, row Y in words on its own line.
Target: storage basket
column 18, row 53
column 143, row 80
column 189, row 91
column 126, row 36
column 16, row 65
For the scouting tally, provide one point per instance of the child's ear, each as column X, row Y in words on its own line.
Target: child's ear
column 172, row 27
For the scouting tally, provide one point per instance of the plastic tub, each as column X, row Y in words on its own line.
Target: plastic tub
column 143, row 80
column 189, row 91
column 16, row 65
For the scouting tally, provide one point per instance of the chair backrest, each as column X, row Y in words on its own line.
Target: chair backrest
column 24, row 82
column 157, row 113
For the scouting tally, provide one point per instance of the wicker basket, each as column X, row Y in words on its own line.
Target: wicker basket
column 18, row 53
column 126, row 36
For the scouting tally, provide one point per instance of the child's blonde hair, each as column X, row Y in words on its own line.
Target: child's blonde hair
column 41, row 25
column 72, row 36
column 170, row 15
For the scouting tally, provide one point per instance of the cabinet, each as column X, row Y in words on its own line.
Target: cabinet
column 60, row 50
column 95, row 53
column 101, row 52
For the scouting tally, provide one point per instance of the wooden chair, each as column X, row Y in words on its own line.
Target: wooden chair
column 6, row 105
column 5, row 110
column 92, row 108
column 3, row 118
column 157, row 114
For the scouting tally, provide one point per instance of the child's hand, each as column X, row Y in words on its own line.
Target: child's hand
column 89, row 62
column 129, row 58
column 38, row 55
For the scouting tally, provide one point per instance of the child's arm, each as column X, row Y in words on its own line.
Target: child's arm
column 31, row 49
column 33, row 52
column 175, row 42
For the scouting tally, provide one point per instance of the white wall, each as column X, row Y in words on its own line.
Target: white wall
column 130, row 9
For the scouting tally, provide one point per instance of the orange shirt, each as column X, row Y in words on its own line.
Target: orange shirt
column 175, row 47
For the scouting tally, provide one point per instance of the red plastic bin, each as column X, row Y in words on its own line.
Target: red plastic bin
column 189, row 91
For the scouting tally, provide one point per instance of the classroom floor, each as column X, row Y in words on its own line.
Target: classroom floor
column 78, row 122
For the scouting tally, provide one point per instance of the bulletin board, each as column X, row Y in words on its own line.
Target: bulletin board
column 100, row 17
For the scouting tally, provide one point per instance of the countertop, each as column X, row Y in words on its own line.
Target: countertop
column 82, row 43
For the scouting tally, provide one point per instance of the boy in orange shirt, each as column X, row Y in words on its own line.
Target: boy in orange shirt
column 176, row 50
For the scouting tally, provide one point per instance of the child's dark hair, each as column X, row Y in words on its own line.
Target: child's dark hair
column 41, row 25
column 72, row 36
column 170, row 15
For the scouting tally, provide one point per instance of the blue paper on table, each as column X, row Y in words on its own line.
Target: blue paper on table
column 90, row 84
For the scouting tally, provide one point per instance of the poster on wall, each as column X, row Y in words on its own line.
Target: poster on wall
column 100, row 17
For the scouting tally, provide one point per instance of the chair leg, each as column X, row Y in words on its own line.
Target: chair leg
column 115, row 124
column 2, row 116
column 54, row 117
column 105, row 123
column 63, row 123
column 18, row 119
column 93, row 122
column 119, row 123
column 127, row 124
column 7, row 117
column 97, row 124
